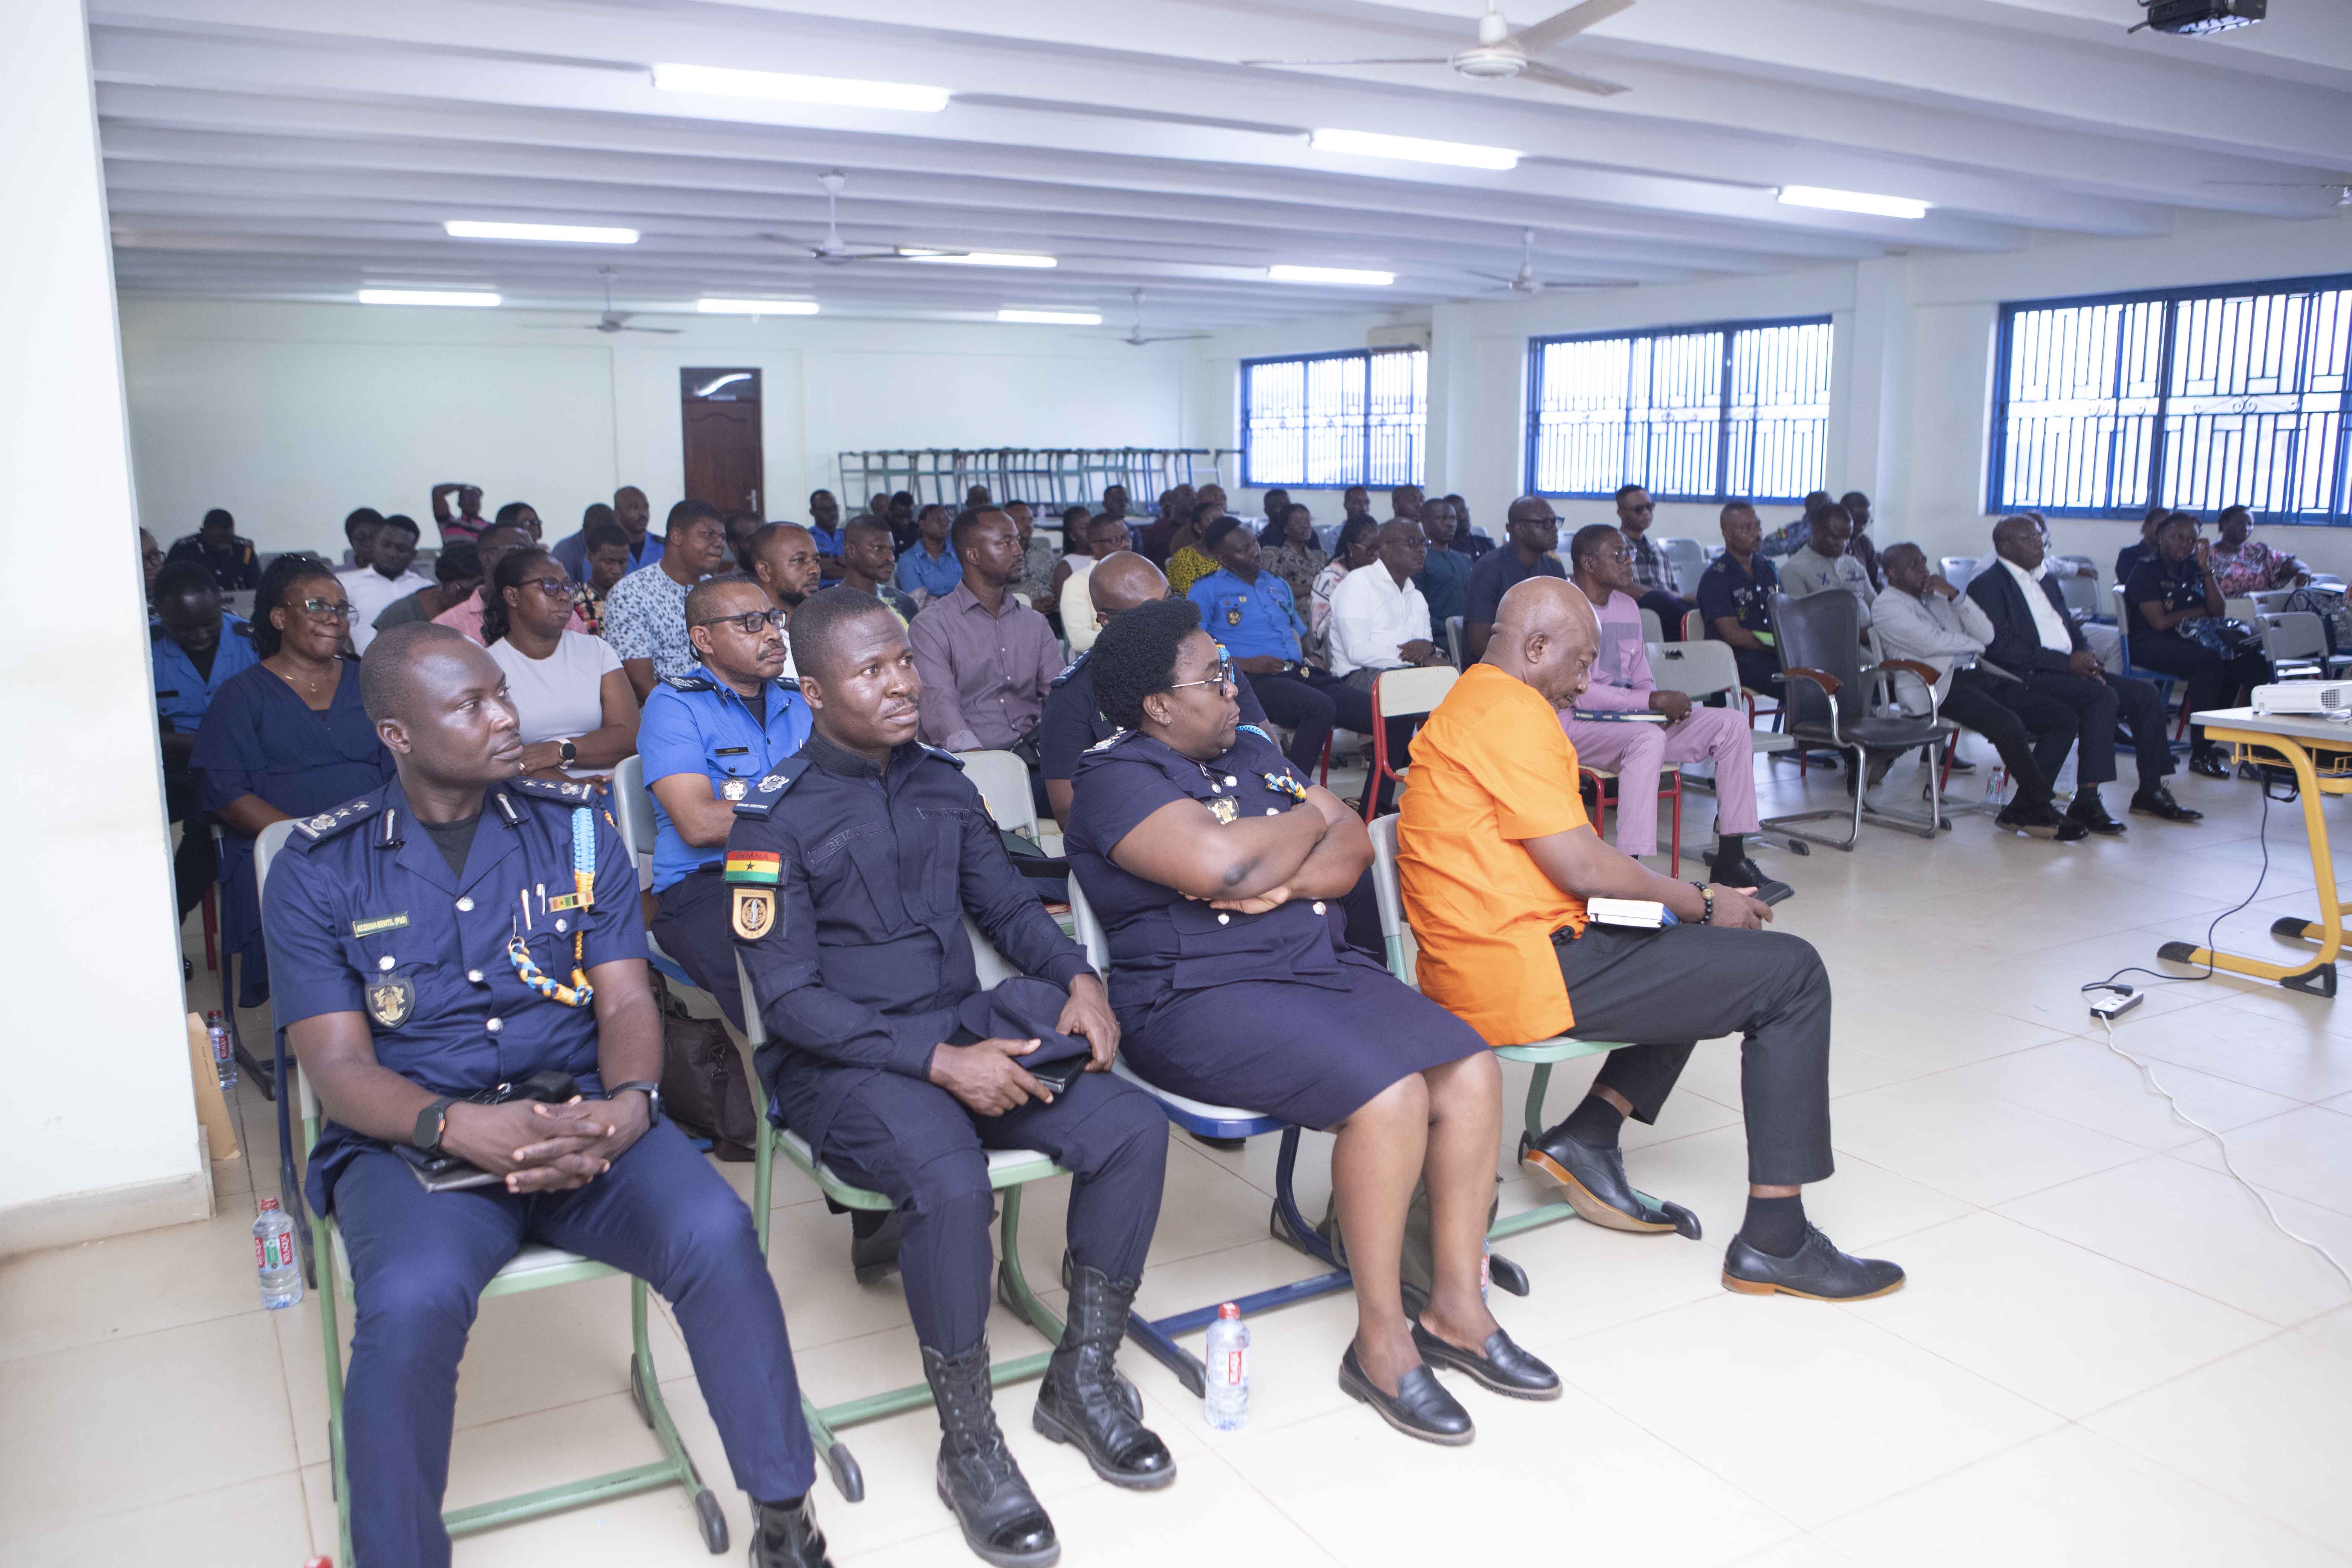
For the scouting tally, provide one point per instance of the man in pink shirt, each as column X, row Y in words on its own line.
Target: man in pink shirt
column 1637, row 750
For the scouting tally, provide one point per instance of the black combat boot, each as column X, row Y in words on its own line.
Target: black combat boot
column 1081, row 1402
column 785, row 1535
column 1001, row 1520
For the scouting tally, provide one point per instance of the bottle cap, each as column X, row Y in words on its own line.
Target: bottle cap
column 1229, row 1312
column 268, row 1204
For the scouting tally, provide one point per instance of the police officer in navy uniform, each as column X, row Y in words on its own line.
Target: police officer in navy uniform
column 195, row 645
column 458, row 929
column 708, row 737
column 852, row 873
column 220, row 549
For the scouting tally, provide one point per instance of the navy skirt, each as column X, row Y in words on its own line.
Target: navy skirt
column 1308, row 1054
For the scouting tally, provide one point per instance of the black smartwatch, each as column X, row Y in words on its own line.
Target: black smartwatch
column 431, row 1122
column 653, row 1097
column 567, row 750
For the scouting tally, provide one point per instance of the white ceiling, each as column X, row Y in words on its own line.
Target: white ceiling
column 295, row 150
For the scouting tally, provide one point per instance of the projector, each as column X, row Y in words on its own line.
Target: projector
column 2192, row 18
column 2327, row 699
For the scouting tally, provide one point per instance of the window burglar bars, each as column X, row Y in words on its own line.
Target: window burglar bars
column 1326, row 421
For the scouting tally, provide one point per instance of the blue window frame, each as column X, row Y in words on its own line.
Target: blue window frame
column 2235, row 394
column 1326, row 421
column 1722, row 411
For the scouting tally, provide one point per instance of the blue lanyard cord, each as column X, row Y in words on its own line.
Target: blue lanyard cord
column 579, row 994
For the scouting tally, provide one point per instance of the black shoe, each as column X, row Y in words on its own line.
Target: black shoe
column 1081, row 1402
column 876, row 1256
column 2092, row 813
column 1958, row 766
column 1001, row 1520
column 787, row 1537
column 2158, row 802
column 1503, row 1367
column 2206, row 761
column 1228, row 1145
column 2028, row 817
column 1819, row 1272
column 1420, row 1408
column 1748, row 874
column 1593, row 1181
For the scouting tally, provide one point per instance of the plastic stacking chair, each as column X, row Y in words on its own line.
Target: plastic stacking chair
column 1453, row 644
column 533, row 1267
column 1401, row 694
column 1685, row 561
column 632, row 809
column 1959, row 569
column 1002, row 780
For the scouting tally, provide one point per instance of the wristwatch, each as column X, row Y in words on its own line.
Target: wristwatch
column 653, row 1097
column 431, row 1122
column 568, row 751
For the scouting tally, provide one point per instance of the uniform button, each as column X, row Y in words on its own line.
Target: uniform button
column 494, row 1025
column 1225, row 920
column 1231, row 783
column 385, row 961
column 558, row 926
column 465, row 905
column 1273, row 811
column 1214, row 790
column 475, row 976
column 1318, row 906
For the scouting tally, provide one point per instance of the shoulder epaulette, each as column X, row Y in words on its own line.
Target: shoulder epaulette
column 1115, row 738
column 770, row 789
column 327, row 823
column 946, row 756
column 1072, row 668
column 239, row 626
column 570, row 792
column 688, row 683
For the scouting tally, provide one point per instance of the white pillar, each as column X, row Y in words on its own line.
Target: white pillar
column 98, row 1131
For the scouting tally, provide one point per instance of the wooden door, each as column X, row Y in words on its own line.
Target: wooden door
column 719, row 414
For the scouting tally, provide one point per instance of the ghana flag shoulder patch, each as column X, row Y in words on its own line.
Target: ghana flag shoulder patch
column 756, row 866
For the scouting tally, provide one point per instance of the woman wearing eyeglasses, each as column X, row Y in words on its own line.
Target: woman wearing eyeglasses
column 1218, row 872
column 286, row 738
column 578, row 711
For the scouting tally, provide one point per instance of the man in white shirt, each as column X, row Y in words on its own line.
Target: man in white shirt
column 1823, row 563
column 1922, row 617
column 1379, row 619
column 384, row 577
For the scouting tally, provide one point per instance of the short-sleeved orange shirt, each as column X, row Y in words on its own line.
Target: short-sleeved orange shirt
column 1491, row 768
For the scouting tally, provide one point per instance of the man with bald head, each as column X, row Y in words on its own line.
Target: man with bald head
column 1497, row 861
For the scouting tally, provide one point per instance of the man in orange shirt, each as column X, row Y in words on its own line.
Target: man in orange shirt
column 1498, row 860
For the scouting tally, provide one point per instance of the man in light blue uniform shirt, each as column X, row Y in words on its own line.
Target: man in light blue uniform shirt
column 931, row 568
column 1252, row 613
column 708, row 737
column 197, row 645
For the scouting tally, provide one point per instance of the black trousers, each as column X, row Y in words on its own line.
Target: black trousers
column 692, row 921
column 2031, row 732
column 1312, row 703
column 1759, row 669
column 2212, row 680
column 1666, row 990
column 196, row 864
column 1669, row 610
column 2096, row 704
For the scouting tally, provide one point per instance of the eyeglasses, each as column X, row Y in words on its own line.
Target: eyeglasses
column 1223, row 677
column 751, row 623
column 328, row 610
column 555, row 587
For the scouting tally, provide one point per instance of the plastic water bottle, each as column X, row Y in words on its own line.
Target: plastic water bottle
column 1227, row 1355
column 224, row 1049
column 274, row 1256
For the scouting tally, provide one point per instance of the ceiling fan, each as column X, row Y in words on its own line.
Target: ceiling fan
column 1501, row 54
column 1525, row 281
column 2342, row 189
column 834, row 251
column 1136, row 337
column 612, row 320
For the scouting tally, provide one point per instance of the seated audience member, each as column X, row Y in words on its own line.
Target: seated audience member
column 825, row 531
column 1278, row 509
column 1072, row 721
column 644, row 614
column 1922, row 617
column 784, row 563
column 1791, row 538
column 1497, row 860
column 457, row 574
column 1530, row 535
column 1405, row 502
column 904, row 530
column 1735, row 596
column 877, row 507
column 2128, row 558
column 390, row 1034
column 1861, row 547
column 2166, row 593
column 219, row 549
column 1824, row 565
column 577, row 715
column 930, row 571
column 1153, row 540
column 1467, row 539
column 1234, row 984
column 522, row 512
column 1357, row 546
column 1621, row 682
column 465, row 525
column 987, row 659
column 608, row 563
column 2244, row 566
column 1444, row 576
column 866, row 564
column 150, row 560
column 1114, row 503
column 285, row 738
column 977, row 499
column 359, row 535
column 1356, row 501
column 1290, row 553
column 740, row 528
column 708, row 737
column 1249, row 610
column 630, row 512
column 2034, row 639
column 383, row 574
column 1075, row 521
column 196, row 648
column 1038, row 559
column 1379, row 619
column 902, row 1073
column 1189, row 560
column 1652, row 575
column 1071, row 599
column 496, row 541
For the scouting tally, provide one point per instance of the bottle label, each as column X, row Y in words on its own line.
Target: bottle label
column 272, row 1251
column 1236, row 1367
column 221, row 1051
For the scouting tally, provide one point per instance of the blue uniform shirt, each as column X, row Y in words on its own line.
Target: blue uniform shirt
column 697, row 723
column 363, row 916
column 918, row 570
column 1253, row 620
column 182, row 695
column 1744, row 596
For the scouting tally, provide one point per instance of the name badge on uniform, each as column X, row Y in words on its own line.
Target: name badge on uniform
column 390, row 1000
column 734, row 789
column 380, row 923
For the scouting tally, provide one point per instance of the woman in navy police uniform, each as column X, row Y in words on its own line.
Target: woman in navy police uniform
column 1217, row 872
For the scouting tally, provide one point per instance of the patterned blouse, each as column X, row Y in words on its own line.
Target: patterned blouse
column 2253, row 568
column 1186, row 567
column 1296, row 567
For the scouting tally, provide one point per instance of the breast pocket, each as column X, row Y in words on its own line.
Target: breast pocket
column 934, row 855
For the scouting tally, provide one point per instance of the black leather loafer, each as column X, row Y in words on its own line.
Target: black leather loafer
column 1819, row 1272
column 2207, row 763
column 2158, row 802
column 2092, row 813
column 1749, row 874
column 1420, row 1407
column 2024, row 817
column 1593, row 1181
column 1502, row 1366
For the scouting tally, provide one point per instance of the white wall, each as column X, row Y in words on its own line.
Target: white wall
column 98, row 1129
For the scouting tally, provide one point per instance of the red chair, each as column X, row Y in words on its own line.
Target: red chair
column 1401, row 694
column 1670, row 787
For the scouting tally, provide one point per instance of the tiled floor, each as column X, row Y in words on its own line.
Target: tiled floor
column 2105, row 1354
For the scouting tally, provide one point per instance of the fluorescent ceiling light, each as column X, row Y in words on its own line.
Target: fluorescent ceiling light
column 565, row 233
column 1852, row 201
column 427, row 297
column 1413, row 149
column 756, row 307
column 1052, row 318
column 1331, row 275
column 988, row 259
column 726, row 82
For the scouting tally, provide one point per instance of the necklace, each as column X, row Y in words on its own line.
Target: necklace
column 310, row 685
